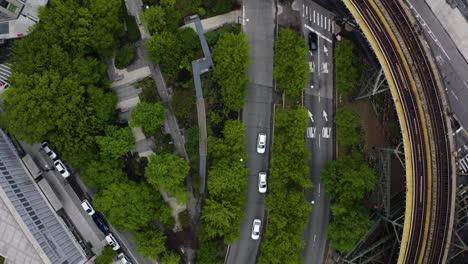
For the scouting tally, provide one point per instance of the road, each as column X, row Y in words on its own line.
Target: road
column 452, row 65
column 259, row 23
column 319, row 101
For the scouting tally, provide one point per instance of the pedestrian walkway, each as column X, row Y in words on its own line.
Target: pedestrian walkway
column 213, row 23
column 5, row 73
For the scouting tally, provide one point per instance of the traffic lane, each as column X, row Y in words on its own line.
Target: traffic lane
column 318, row 18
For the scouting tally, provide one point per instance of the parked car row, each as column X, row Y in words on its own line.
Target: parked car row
column 58, row 163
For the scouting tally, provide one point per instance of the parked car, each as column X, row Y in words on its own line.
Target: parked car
column 87, row 207
column 261, row 143
column 312, row 41
column 45, row 146
column 124, row 259
column 262, row 182
column 61, row 168
column 101, row 224
column 112, row 242
column 256, row 225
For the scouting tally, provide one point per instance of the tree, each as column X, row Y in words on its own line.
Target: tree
column 124, row 57
column 209, row 253
column 154, row 18
column 168, row 171
column 102, row 173
column 170, row 258
column 166, row 49
column 106, row 257
column 348, row 67
column 290, row 70
column 149, row 116
column 150, row 242
column 231, row 60
column 116, row 142
column 222, row 219
column 127, row 205
column 348, row 178
column 348, row 227
column 347, row 123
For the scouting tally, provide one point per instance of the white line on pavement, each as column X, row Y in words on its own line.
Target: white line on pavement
column 318, row 55
column 465, row 84
column 307, row 11
column 314, row 16
column 318, row 33
column 302, row 10
column 454, row 95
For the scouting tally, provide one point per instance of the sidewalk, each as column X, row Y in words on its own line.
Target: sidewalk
column 212, row 23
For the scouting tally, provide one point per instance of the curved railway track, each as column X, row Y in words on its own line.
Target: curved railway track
column 426, row 127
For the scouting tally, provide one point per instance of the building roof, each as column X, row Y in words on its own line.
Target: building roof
column 32, row 211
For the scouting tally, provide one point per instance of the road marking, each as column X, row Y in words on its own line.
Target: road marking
column 325, row 115
column 310, row 17
column 319, row 96
column 302, row 10
column 314, row 16
column 318, row 54
column 319, row 190
column 307, row 10
column 329, row 22
column 320, row 136
column 325, row 67
column 466, row 85
column 318, row 33
column 325, row 50
column 311, row 116
column 311, row 132
column 456, row 97
column 315, row 237
column 333, row 27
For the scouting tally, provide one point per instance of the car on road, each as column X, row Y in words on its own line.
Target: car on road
column 312, row 40
column 256, row 225
column 45, row 146
column 112, row 242
column 87, row 207
column 124, row 259
column 326, row 131
column 61, row 168
column 262, row 182
column 101, row 224
column 261, row 143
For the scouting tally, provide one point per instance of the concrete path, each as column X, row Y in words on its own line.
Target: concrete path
column 212, row 23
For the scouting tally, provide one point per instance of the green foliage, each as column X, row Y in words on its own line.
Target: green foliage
column 218, row 7
column 132, row 29
column 227, row 183
column 348, row 178
column 127, row 205
column 209, row 253
column 55, row 83
column 150, row 242
column 168, row 171
column 170, row 258
column 184, row 106
column 188, row 7
column 231, row 60
column 212, row 36
column 116, row 142
column 148, row 93
column 190, row 41
column 347, row 123
column 149, row 116
column 124, row 57
column 106, row 257
column 166, row 50
column 347, row 181
column 191, row 142
column 158, row 18
column 348, row 67
column 291, row 69
column 102, row 173
column 289, row 174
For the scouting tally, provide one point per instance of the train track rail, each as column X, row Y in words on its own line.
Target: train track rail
column 426, row 126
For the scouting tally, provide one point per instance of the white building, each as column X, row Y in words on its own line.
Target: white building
column 17, row 16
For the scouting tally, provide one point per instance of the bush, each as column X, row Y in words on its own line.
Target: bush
column 347, row 123
column 149, row 93
column 124, row 57
column 132, row 29
column 149, row 116
column 348, row 67
column 106, row 257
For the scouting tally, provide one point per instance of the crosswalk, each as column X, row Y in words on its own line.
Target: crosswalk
column 5, row 73
column 318, row 18
column 462, row 164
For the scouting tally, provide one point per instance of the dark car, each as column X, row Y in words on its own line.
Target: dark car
column 101, row 223
column 312, row 41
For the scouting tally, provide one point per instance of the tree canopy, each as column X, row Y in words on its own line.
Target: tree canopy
column 231, row 60
column 149, row 116
column 116, row 142
column 102, row 173
column 348, row 124
column 127, row 205
column 291, row 68
column 106, row 257
column 348, row 67
column 150, row 242
column 168, row 171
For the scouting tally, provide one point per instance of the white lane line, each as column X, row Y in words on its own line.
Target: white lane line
column 320, row 136
column 319, row 190
column 456, row 97
column 314, row 16
column 319, row 96
column 333, row 27
column 318, row 33
column 307, row 10
column 302, row 10
column 310, row 17
column 321, row 20
column 318, row 55
column 466, row 85
column 329, row 22
column 315, row 237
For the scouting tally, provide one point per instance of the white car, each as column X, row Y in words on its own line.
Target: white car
column 112, row 242
column 45, row 146
column 326, row 131
column 124, row 259
column 261, row 143
column 61, row 168
column 87, row 207
column 256, row 225
column 262, row 182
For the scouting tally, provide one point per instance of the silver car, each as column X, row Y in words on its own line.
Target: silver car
column 45, row 146
column 112, row 242
column 261, row 143
column 256, row 225
column 61, row 168
column 262, row 182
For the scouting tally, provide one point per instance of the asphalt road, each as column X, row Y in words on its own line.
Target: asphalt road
column 453, row 67
column 318, row 100
column 259, row 24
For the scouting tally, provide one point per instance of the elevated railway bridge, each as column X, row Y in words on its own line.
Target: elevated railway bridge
column 422, row 112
